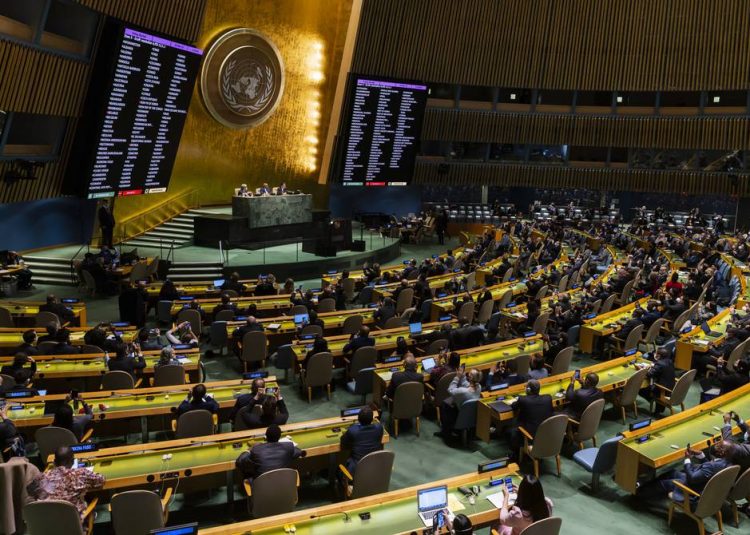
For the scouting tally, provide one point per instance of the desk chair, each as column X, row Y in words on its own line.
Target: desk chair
column 196, row 423
column 364, row 357
column 286, row 358
column 361, row 383
column 485, row 312
column 676, row 396
column 352, row 324
column 117, row 380
column 547, row 526
column 436, row 346
column 327, row 305
column 49, row 438
column 620, row 346
column 607, row 305
column 318, row 372
column 224, row 315
column 272, row 493
column 407, row 404
column 6, row 318
column 42, row 319
column 740, row 491
column 440, row 392
column 137, row 512
column 88, row 284
column 217, row 333
column 169, row 375
column 562, row 361
column 404, row 300
column 298, row 309
column 372, row 476
column 546, row 443
column 317, row 330
column 466, row 420
column 649, row 339
column 588, row 425
column 707, row 503
column 194, row 317
column 541, row 293
column 629, row 395
column 598, row 460
column 58, row 516
column 254, row 348
column 466, row 312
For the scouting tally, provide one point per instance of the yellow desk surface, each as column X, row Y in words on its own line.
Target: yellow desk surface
column 444, row 305
column 698, row 426
column 607, row 324
column 29, row 309
column 137, row 464
column 197, row 288
column 265, row 302
column 12, row 337
column 139, row 402
column 393, row 512
column 481, row 358
column 384, row 339
column 699, row 342
column 332, row 320
column 612, row 374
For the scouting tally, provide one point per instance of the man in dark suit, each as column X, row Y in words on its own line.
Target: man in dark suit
column 253, row 398
column 29, row 343
column 226, row 304
column 661, row 373
column 631, row 324
column 410, row 373
column 270, row 455
column 362, row 438
column 583, row 397
column 466, row 336
column 251, row 325
column 362, row 339
column 233, row 283
column 531, row 410
column 652, row 314
column 61, row 311
column 124, row 362
column 64, row 347
column 698, row 469
column 198, row 400
column 19, row 361
column 106, row 223
column 741, row 450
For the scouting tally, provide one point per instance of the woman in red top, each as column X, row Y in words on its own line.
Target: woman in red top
column 674, row 283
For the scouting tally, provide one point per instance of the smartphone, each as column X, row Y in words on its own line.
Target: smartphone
column 577, row 375
column 438, row 521
column 463, row 367
column 271, row 390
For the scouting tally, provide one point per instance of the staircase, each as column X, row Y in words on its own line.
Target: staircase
column 48, row 270
column 175, row 232
column 195, row 271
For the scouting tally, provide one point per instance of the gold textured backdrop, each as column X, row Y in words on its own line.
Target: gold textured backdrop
column 213, row 159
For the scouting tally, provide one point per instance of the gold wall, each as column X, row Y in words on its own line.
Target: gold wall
column 214, row 159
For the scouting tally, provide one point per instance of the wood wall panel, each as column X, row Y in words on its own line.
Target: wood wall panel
column 728, row 133
column 180, row 19
column 605, row 45
column 678, row 182
column 41, row 82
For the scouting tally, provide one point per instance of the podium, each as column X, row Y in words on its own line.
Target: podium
column 273, row 210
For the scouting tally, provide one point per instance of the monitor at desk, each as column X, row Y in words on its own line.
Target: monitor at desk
column 183, row 529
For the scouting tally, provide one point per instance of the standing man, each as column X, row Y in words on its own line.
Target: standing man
column 441, row 225
column 106, row 223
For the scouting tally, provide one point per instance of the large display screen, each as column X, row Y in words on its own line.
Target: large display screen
column 136, row 109
column 381, row 131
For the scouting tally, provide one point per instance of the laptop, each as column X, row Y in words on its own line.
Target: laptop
column 218, row 283
column 301, row 318
column 415, row 328
column 708, row 331
column 430, row 501
column 183, row 529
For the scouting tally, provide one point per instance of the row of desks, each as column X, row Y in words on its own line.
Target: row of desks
column 699, row 426
column 392, row 512
column 612, row 374
column 697, row 341
column 23, row 311
column 10, row 338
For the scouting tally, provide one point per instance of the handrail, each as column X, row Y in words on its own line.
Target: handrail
column 156, row 215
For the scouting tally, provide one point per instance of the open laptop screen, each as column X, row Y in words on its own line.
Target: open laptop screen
column 432, row 499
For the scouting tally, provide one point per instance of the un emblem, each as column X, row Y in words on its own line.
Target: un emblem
column 242, row 78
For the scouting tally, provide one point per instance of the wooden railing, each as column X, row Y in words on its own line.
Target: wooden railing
column 140, row 223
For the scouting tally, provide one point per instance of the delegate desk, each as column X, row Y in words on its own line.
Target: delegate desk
column 697, row 341
column 698, row 426
column 10, row 338
column 384, row 339
column 114, row 410
column 606, row 324
column 197, row 289
column 265, row 303
column 282, row 329
column 273, row 210
column 675, row 260
column 444, row 306
column 61, row 372
column 27, row 310
column 393, row 512
column 493, row 406
column 435, row 282
column 208, row 461
column 481, row 358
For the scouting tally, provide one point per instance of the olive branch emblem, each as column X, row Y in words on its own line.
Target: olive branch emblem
column 229, row 95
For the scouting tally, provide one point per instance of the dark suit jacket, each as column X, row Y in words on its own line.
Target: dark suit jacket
column 128, row 364
column 65, row 349
column 631, row 324
column 206, row 404
column 401, row 377
column 243, row 401
column 106, row 219
column 267, row 456
column 580, row 399
column 28, row 349
column 256, row 421
column 29, row 372
column 698, row 474
column 362, row 439
column 662, row 373
column 532, row 411
column 357, row 342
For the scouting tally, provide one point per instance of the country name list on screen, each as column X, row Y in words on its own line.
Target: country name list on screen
column 383, row 134
column 149, row 95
